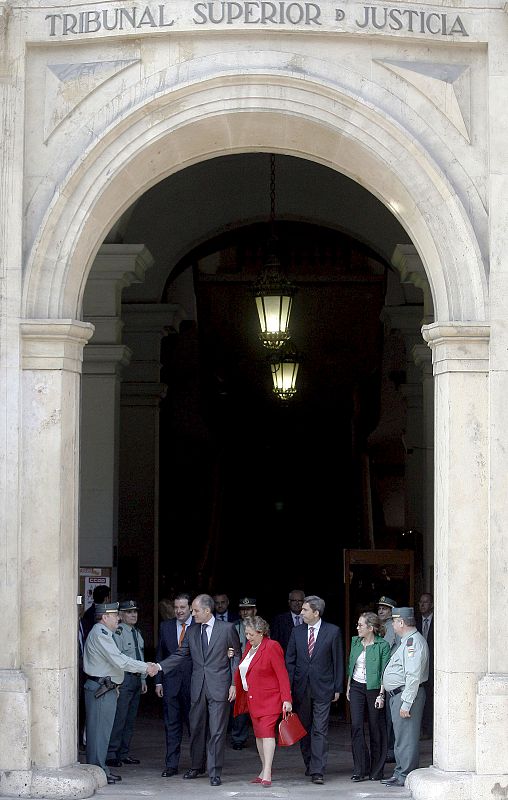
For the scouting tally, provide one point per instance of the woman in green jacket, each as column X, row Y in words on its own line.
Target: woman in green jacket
column 369, row 655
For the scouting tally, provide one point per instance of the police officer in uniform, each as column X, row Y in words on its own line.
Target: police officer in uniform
column 240, row 724
column 130, row 642
column 104, row 666
column 403, row 677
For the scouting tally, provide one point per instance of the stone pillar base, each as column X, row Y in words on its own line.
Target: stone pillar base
column 435, row 784
column 79, row 780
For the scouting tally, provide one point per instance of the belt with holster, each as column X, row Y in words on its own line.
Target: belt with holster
column 393, row 692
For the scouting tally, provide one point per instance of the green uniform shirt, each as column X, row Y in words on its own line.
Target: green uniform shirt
column 102, row 657
column 408, row 667
column 124, row 638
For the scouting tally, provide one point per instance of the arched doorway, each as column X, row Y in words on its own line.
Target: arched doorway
column 142, row 148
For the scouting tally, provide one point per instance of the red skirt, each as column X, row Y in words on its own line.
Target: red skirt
column 264, row 727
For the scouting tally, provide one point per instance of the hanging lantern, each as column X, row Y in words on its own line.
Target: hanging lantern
column 284, row 364
column 273, row 292
column 274, row 299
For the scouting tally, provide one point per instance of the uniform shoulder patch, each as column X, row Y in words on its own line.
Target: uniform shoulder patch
column 104, row 631
column 119, row 631
column 409, row 642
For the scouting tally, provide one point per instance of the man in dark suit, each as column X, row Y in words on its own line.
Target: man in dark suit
column 213, row 647
column 425, row 624
column 283, row 624
column 315, row 663
column 222, row 610
column 174, row 687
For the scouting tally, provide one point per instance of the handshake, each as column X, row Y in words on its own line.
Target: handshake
column 151, row 669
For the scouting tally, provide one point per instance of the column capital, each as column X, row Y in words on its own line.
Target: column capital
column 115, row 267
column 55, row 344
column 458, row 346
column 407, row 261
column 423, row 359
column 105, row 359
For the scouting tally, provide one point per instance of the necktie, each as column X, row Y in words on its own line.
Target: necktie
column 136, row 646
column 297, row 620
column 425, row 630
column 204, row 640
column 312, row 642
column 182, row 634
column 221, row 616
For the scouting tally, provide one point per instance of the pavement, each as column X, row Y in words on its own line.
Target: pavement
column 288, row 779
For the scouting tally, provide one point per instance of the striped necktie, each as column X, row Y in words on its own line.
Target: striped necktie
column 312, row 642
column 182, row 634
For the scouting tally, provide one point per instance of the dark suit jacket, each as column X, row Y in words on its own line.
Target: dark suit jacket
column 323, row 674
column 217, row 669
column 281, row 628
column 430, row 642
column 232, row 616
column 180, row 675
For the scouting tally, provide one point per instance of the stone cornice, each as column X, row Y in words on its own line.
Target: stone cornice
column 55, row 344
column 458, row 346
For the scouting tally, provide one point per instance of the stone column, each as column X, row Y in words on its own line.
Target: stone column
column 145, row 325
column 460, row 359
column 100, row 422
column 51, row 363
column 116, row 266
column 423, row 359
column 408, row 320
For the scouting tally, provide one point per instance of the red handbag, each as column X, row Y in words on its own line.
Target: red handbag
column 291, row 729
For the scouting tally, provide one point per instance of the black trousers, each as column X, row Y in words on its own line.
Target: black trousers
column 367, row 762
column 314, row 717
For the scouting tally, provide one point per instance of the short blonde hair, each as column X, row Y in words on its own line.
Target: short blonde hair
column 258, row 624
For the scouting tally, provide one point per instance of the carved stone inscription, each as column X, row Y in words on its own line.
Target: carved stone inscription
column 265, row 13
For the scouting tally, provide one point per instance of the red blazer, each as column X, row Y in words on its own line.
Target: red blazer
column 267, row 679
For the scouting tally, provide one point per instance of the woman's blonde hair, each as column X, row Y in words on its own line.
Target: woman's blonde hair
column 258, row 624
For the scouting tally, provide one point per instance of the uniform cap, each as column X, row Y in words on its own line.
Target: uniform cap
column 128, row 605
column 106, row 608
column 247, row 602
column 386, row 601
column 405, row 612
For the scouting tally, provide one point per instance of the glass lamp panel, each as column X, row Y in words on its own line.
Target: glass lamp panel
column 274, row 312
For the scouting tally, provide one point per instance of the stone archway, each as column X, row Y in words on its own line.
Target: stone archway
column 168, row 129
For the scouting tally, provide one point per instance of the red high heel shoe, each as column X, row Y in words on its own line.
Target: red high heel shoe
column 257, row 780
column 266, row 783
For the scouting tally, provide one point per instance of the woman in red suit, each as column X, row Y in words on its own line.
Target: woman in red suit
column 262, row 689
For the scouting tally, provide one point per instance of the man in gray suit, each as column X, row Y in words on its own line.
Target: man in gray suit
column 214, row 648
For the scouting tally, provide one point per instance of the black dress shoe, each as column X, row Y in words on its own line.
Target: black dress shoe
column 376, row 778
column 110, row 779
column 193, row 773
column 116, row 778
column 215, row 781
column 317, row 778
column 397, row 782
column 129, row 760
column 169, row 772
column 387, row 781
column 114, row 762
column 358, row 778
